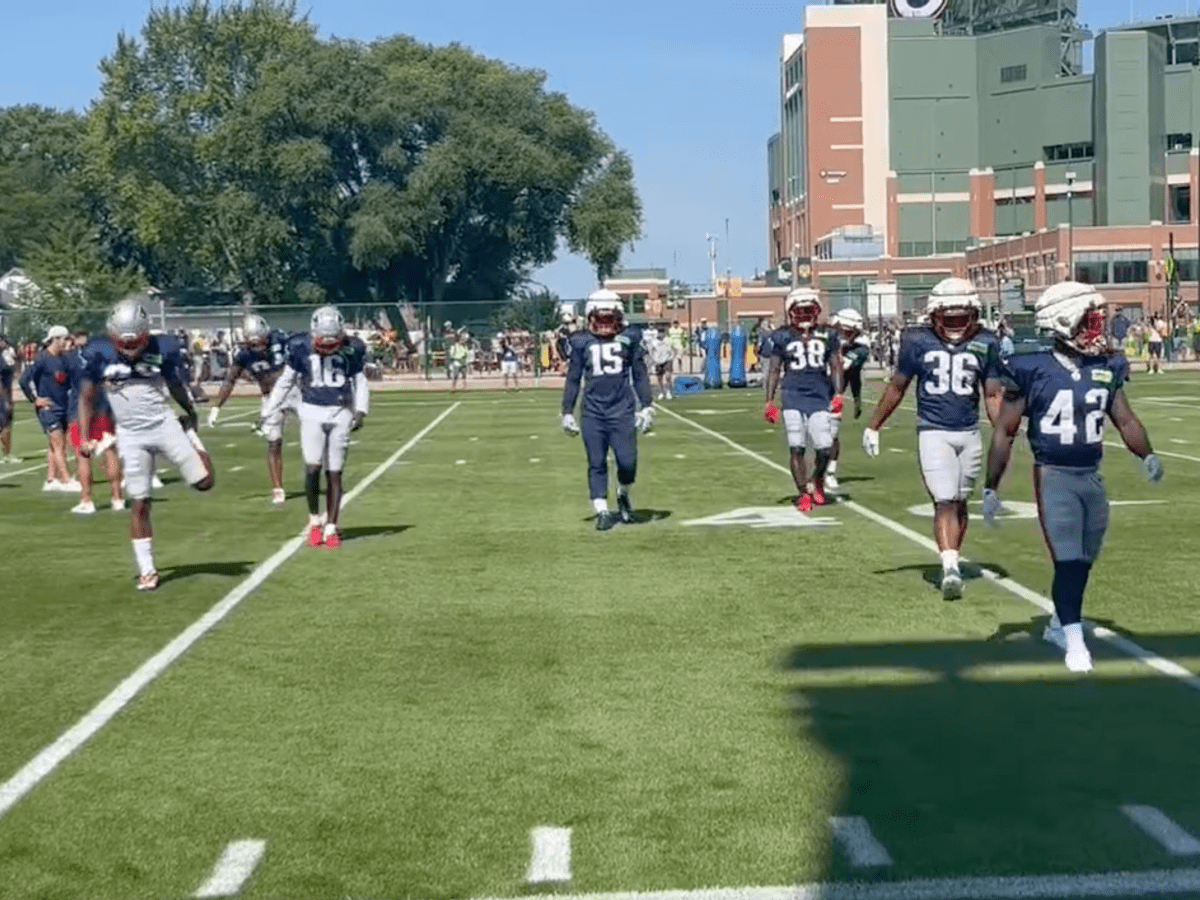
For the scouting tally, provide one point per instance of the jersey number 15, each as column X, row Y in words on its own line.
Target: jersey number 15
column 607, row 359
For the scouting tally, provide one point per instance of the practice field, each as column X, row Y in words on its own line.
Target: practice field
column 479, row 695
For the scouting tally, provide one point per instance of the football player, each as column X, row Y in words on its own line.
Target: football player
column 805, row 360
column 103, row 435
column 954, row 359
column 608, row 361
column 47, row 384
column 328, row 365
column 8, row 365
column 262, row 356
column 855, row 351
column 137, row 370
column 1066, row 393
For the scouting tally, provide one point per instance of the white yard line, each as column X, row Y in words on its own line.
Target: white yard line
column 233, row 869
column 853, row 835
column 40, row 467
column 50, row 757
column 551, row 860
column 1124, row 644
column 1155, row 823
column 1101, row 884
column 1120, row 446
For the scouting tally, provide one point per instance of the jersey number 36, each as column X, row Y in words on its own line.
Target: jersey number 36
column 951, row 373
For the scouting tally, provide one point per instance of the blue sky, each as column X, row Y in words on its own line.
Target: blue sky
column 689, row 89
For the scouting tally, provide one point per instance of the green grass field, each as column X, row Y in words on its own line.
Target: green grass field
column 694, row 700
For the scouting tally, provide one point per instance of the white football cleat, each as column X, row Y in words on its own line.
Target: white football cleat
column 50, row 487
column 84, row 508
column 669, row 395
column 831, row 481
column 278, row 496
column 72, row 487
column 1054, row 634
column 1079, row 659
column 118, row 505
column 952, row 584
column 155, row 482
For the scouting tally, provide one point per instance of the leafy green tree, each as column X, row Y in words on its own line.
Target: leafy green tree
column 41, row 176
column 606, row 214
column 528, row 311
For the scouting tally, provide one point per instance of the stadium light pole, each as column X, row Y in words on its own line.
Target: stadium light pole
column 1070, row 176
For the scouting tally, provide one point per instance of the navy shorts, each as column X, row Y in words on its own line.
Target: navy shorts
column 52, row 419
column 6, row 414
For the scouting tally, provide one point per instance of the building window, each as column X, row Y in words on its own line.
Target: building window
column 1179, row 141
column 1066, row 152
column 1091, row 272
column 1009, row 74
column 1129, row 271
column 1179, row 204
column 916, row 248
column 637, row 303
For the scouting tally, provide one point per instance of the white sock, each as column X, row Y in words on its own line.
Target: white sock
column 143, row 554
column 314, row 521
column 330, row 528
column 600, row 504
column 949, row 560
column 1074, row 635
column 832, row 467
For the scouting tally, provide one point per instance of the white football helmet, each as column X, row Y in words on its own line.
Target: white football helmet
column 255, row 331
column 848, row 321
column 953, row 308
column 802, row 309
column 605, row 312
column 1074, row 314
column 327, row 329
column 129, row 325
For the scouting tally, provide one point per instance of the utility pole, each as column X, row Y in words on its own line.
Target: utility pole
column 712, row 258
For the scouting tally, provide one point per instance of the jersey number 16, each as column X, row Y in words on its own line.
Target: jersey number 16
column 324, row 372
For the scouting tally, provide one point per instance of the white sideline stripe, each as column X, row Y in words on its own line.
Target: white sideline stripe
column 233, row 869
column 1014, row 887
column 1159, row 452
column 853, row 835
column 1124, row 644
column 551, row 861
column 39, row 467
column 50, row 757
column 1170, row 836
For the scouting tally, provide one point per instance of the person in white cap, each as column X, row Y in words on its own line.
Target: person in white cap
column 47, row 384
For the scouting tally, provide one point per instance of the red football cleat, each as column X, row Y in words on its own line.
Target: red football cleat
column 333, row 540
column 771, row 413
column 315, row 538
column 836, row 405
column 818, row 496
column 804, row 502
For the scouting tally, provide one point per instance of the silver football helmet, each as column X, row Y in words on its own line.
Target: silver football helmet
column 255, row 331
column 327, row 329
column 605, row 312
column 1074, row 314
column 953, row 308
column 129, row 325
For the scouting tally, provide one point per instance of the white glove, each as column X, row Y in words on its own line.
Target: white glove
column 645, row 419
column 569, row 425
column 991, row 506
column 871, row 441
column 212, row 416
column 1153, row 467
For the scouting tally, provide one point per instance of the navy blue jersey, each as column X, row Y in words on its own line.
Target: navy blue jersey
column 950, row 377
column 1067, row 402
column 262, row 363
column 77, row 369
column 326, row 380
column 612, row 372
column 805, row 359
column 136, row 391
column 48, row 377
column 6, row 375
column 509, row 355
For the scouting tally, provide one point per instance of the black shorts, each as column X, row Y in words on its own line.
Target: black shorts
column 6, row 413
column 1156, row 349
column 664, row 368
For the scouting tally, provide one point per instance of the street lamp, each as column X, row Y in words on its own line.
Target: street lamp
column 1070, row 176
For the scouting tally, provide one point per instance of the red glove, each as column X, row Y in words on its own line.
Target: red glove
column 836, row 404
column 771, row 413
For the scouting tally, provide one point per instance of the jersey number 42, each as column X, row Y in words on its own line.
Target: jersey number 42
column 1059, row 418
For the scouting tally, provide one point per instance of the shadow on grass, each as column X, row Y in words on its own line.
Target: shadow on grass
column 640, row 517
column 369, row 531
column 225, row 569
